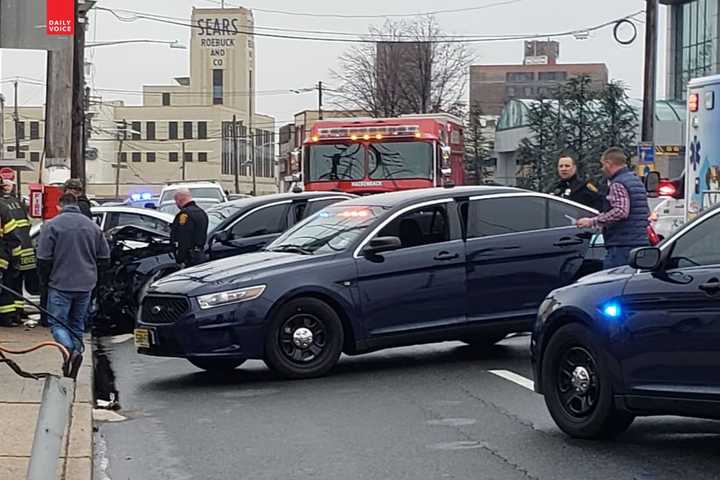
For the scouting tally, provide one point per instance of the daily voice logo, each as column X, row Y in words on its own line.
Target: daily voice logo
column 60, row 17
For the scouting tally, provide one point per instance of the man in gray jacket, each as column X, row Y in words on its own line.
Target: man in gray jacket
column 71, row 251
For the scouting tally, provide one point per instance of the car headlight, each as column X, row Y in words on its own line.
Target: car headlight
column 230, row 296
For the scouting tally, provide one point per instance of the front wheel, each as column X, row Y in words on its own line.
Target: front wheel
column 216, row 365
column 577, row 386
column 304, row 339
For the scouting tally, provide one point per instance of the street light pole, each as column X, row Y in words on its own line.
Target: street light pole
column 651, row 40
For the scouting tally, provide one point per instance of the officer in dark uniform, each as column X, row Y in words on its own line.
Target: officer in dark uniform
column 75, row 186
column 571, row 187
column 189, row 230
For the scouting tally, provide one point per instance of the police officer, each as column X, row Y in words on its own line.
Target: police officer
column 189, row 230
column 75, row 186
column 9, row 244
column 23, row 262
column 571, row 187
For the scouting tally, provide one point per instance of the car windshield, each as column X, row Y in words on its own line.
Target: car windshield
column 331, row 230
column 196, row 192
column 219, row 213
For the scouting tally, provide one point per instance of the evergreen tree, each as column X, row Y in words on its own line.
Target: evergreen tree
column 477, row 146
column 537, row 154
column 618, row 119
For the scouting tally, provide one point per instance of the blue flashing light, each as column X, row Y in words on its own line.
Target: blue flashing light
column 136, row 197
column 612, row 310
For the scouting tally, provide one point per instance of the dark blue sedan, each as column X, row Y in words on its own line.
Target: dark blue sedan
column 635, row 341
column 469, row 263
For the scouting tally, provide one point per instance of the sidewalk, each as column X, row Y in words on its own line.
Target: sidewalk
column 20, row 402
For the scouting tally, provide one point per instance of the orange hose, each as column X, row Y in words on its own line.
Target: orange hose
column 63, row 350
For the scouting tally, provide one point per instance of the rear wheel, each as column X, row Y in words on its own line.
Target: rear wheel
column 304, row 339
column 216, row 364
column 577, row 386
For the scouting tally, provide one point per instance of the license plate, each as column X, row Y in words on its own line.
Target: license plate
column 143, row 338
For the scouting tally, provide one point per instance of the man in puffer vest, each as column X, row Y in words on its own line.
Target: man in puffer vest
column 624, row 220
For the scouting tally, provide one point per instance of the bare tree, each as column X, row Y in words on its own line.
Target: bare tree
column 408, row 69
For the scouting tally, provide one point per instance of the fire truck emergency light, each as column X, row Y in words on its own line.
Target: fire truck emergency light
column 366, row 133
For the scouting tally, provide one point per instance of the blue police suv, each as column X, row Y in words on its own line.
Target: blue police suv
column 403, row 268
column 635, row 341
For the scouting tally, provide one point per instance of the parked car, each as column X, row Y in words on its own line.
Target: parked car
column 142, row 253
column 635, row 341
column 403, row 268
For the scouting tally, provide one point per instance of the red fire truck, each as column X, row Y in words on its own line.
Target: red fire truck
column 375, row 155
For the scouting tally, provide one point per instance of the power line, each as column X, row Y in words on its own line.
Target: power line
column 370, row 40
column 387, row 15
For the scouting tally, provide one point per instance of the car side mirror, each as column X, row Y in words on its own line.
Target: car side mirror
column 652, row 183
column 223, row 236
column 382, row 244
column 645, row 258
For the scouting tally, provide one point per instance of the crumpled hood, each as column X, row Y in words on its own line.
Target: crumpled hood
column 227, row 273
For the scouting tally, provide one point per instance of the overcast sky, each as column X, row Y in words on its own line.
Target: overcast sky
column 292, row 64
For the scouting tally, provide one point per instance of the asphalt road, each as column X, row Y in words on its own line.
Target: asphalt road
column 428, row 412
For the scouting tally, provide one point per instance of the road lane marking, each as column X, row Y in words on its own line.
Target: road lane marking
column 515, row 378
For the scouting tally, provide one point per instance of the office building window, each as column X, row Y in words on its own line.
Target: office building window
column 150, row 131
column 150, row 157
column 520, row 76
column 202, row 157
column 136, row 130
column 165, row 99
column 34, row 156
column 123, row 157
column 217, row 86
column 21, row 131
column 187, row 157
column 528, row 92
column 202, row 130
column 173, row 130
column 695, row 27
column 552, row 76
column 34, row 130
column 187, row 130
column 136, row 157
column 173, row 156
column 511, row 92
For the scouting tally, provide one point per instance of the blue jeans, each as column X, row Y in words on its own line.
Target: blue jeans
column 616, row 257
column 72, row 309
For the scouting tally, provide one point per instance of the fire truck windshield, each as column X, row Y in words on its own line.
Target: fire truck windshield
column 398, row 160
column 386, row 160
column 336, row 162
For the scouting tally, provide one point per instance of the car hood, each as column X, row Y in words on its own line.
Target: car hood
column 605, row 276
column 230, row 272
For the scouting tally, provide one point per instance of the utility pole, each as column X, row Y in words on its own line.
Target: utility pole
column 77, row 151
column 182, row 149
column 121, row 135
column 16, row 118
column 251, row 135
column 651, row 40
column 235, row 166
column 320, row 100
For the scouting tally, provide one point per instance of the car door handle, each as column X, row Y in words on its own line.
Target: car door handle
column 712, row 286
column 445, row 256
column 568, row 242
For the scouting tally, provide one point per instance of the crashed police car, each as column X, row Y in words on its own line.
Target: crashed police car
column 141, row 251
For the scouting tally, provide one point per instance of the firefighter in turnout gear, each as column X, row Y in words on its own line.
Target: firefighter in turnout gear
column 22, row 262
column 9, row 243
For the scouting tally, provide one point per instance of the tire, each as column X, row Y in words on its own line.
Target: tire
column 484, row 341
column 584, row 409
column 216, row 365
column 304, row 339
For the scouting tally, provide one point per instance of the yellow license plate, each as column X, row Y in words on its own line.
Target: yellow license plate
column 143, row 338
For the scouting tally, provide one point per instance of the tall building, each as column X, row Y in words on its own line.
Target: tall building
column 693, row 44
column 492, row 86
column 182, row 130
